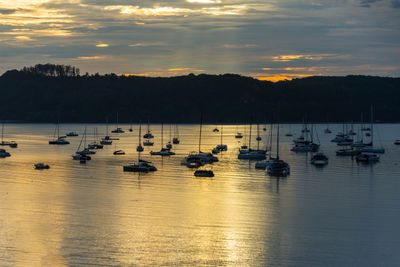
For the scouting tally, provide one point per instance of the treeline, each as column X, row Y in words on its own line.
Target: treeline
column 37, row 96
column 52, row 70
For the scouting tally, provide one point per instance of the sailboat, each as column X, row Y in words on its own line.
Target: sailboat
column 176, row 140
column 118, row 152
column 107, row 140
column 81, row 155
column 169, row 145
column 148, row 135
column 220, row 147
column 263, row 164
column 4, row 153
column 369, row 148
column 277, row 167
column 118, row 129
column 238, row 135
column 289, row 133
column 164, row 151
column 6, row 143
column 95, row 144
column 141, row 165
column 197, row 159
column 258, row 133
column 131, row 129
column 139, row 148
column 249, row 153
column 60, row 140
column 306, row 144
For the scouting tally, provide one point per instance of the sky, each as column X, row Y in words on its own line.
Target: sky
column 265, row 39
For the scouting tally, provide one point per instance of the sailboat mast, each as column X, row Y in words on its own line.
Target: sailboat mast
column 140, row 135
column 58, row 129
column 170, row 132
column 117, row 120
column 258, row 136
column 222, row 128
column 162, row 134
column 250, row 136
column 84, row 140
column 372, row 125
column 201, row 125
column 277, row 143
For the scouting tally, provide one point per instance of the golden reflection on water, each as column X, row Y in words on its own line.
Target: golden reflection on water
column 74, row 214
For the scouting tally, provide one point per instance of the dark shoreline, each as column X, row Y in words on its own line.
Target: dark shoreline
column 228, row 98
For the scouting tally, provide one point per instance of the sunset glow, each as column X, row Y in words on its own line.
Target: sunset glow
column 212, row 36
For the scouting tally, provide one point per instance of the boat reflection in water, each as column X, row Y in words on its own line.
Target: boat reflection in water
column 98, row 214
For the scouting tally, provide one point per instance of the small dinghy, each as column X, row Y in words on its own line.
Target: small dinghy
column 119, row 152
column 204, row 173
column 41, row 166
column 319, row 159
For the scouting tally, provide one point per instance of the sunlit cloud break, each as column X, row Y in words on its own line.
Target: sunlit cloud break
column 102, row 45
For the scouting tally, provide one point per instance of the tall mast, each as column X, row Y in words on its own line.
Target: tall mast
column 162, row 134
column 277, row 142
column 170, row 132
column 107, row 126
column 258, row 136
column 201, row 124
column 270, row 140
column 372, row 125
column 84, row 142
column 58, row 129
column 117, row 120
column 250, row 135
column 140, row 133
column 222, row 127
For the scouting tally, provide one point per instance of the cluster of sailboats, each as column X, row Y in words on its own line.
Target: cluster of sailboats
column 350, row 142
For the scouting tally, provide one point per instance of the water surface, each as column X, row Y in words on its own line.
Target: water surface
column 345, row 214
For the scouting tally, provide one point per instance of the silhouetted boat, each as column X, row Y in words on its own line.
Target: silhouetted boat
column 148, row 135
column 220, row 147
column 11, row 144
column 204, row 173
column 141, row 165
column 119, row 152
column 164, row 151
column 194, row 159
column 72, row 134
column 118, row 129
column 277, row 167
column 4, row 153
column 397, row 142
column 367, row 157
column 59, row 140
column 176, row 140
column 249, row 153
column 41, row 166
column 139, row 148
column 319, row 159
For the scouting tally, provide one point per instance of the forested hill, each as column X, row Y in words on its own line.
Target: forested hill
column 40, row 97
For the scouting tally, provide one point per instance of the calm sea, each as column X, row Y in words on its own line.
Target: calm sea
column 73, row 214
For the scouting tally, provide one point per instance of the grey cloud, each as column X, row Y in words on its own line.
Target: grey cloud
column 367, row 3
column 396, row 3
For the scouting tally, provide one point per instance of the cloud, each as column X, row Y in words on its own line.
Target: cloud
column 367, row 3
column 251, row 37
